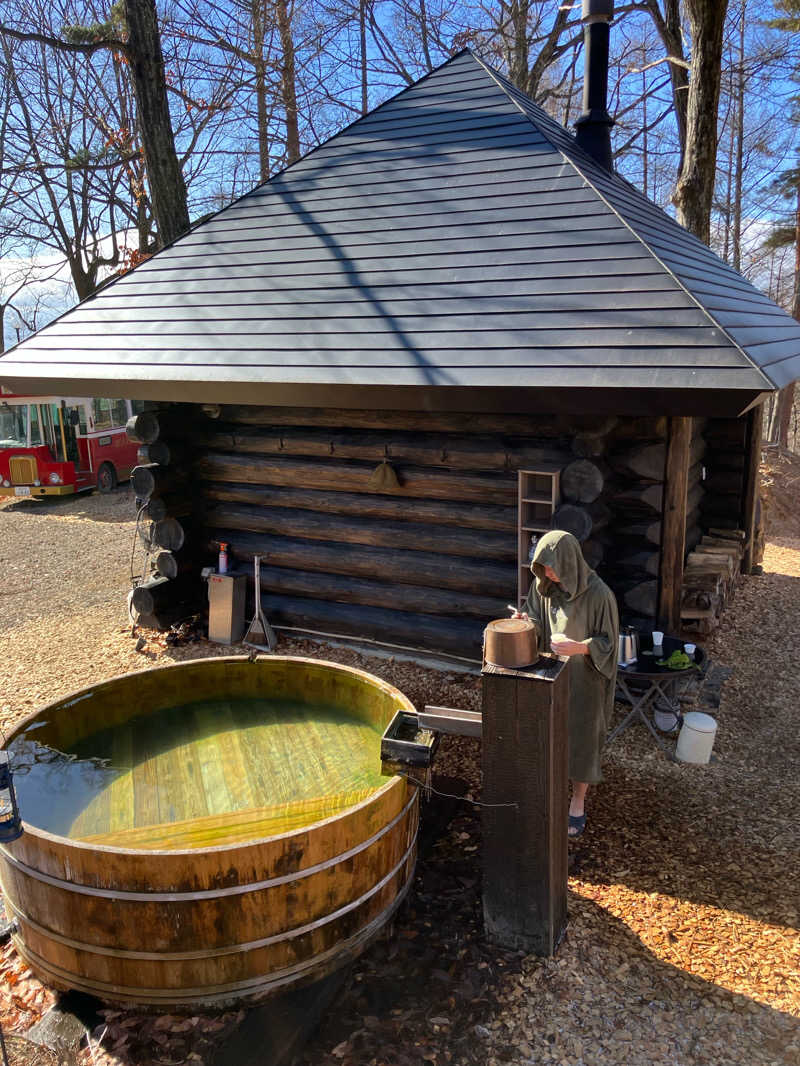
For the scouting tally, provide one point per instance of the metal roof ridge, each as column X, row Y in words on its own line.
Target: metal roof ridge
column 499, row 81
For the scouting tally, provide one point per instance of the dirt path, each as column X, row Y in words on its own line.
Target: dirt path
column 682, row 946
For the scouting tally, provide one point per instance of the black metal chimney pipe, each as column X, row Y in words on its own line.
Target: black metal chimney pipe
column 593, row 128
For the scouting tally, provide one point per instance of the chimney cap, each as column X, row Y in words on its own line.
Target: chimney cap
column 597, row 10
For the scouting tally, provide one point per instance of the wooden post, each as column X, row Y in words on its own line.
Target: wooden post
column 673, row 523
column 525, row 767
column 751, row 484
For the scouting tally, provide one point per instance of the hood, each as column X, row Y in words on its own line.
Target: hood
column 562, row 553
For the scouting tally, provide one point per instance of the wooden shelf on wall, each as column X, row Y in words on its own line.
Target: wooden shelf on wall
column 538, row 496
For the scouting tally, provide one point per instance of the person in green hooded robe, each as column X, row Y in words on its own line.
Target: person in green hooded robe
column 576, row 613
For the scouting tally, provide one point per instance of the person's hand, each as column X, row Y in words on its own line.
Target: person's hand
column 565, row 646
column 516, row 613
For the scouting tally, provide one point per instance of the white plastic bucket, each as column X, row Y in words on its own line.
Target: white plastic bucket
column 696, row 738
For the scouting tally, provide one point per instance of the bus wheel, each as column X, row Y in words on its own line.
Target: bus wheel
column 106, row 478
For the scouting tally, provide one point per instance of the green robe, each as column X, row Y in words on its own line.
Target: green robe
column 582, row 607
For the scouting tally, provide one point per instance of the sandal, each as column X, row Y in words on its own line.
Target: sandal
column 577, row 824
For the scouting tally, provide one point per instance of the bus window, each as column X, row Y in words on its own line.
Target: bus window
column 119, row 412
column 13, row 426
column 137, row 406
column 52, row 430
column 102, row 414
column 36, row 425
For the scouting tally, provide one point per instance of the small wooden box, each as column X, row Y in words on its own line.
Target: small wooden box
column 405, row 741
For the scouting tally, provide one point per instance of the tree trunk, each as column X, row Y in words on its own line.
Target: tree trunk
column 260, row 70
column 288, row 81
column 362, row 36
column 167, row 187
column 695, row 188
column 736, row 238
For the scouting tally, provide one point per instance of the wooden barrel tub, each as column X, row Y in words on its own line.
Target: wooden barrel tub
column 125, row 915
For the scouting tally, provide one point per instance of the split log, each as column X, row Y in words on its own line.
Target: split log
column 171, row 564
column 164, row 617
column 143, row 428
column 448, row 540
column 589, row 445
column 645, row 429
column 736, row 547
column 582, row 481
column 726, row 564
column 420, row 449
column 582, row 522
column 153, row 479
column 702, row 582
column 172, row 454
column 647, row 531
column 600, row 514
column 171, row 505
column 178, row 421
column 729, row 534
column 572, row 519
column 169, row 533
column 157, row 593
column 370, row 593
column 642, row 499
column 593, row 553
column 456, row 635
column 156, row 452
column 643, row 598
column 354, row 477
column 400, row 565
column 534, row 425
column 648, row 561
column 368, row 505
column 648, row 461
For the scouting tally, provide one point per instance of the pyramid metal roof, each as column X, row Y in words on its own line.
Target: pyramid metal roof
column 455, row 248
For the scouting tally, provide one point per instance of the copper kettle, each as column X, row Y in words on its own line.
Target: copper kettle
column 511, row 643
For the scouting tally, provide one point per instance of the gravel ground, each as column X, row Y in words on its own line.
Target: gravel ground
column 682, row 946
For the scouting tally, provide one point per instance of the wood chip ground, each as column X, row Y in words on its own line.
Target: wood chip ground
column 683, row 945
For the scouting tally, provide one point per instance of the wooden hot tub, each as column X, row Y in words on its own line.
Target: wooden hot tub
column 208, row 832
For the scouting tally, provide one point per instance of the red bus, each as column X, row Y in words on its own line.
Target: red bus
column 52, row 446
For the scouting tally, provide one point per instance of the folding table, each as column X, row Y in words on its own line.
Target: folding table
column 643, row 682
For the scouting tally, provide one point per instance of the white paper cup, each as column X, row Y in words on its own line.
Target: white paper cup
column 658, row 638
column 690, row 649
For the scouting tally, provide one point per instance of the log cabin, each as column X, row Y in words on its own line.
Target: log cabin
column 448, row 328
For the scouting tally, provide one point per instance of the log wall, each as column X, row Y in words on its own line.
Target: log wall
column 401, row 526
column 394, row 526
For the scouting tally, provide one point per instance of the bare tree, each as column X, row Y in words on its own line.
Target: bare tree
column 136, row 37
column 694, row 192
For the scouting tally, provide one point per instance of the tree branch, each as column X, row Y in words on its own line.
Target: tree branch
column 62, row 46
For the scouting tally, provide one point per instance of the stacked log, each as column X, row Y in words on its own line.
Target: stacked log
column 426, row 555
column 709, row 578
column 170, row 588
column 424, row 559
column 635, row 456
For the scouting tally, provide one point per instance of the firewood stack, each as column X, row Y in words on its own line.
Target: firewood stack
column 170, row 591
column 709, row 578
